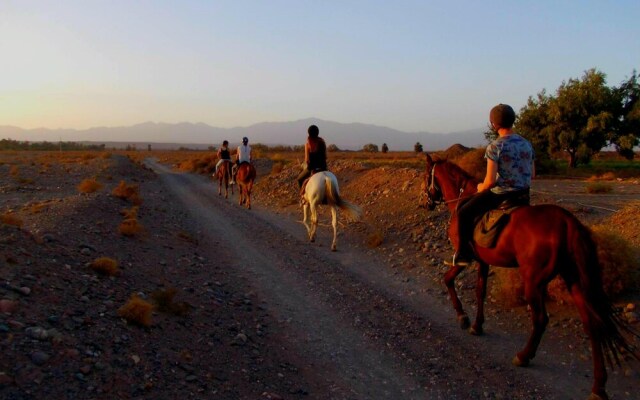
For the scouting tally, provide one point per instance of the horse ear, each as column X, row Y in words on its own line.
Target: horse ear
column 429, row 160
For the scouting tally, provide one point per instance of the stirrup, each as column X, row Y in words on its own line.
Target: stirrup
column 459, row 261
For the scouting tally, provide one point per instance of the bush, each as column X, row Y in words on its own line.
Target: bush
column 89, row 186
column 130, row 227
column 375, row 239
column 11, row 219
column 127, row 192
column 136, row 311
column 105, row 266
column 599, row 187
column 618, row 260
column 164, row 302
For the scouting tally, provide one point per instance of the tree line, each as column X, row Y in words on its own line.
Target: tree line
column 9, row 144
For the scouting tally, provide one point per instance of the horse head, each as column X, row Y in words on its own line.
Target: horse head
column 431, row 194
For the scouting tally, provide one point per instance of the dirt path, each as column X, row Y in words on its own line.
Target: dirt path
column 358, row 329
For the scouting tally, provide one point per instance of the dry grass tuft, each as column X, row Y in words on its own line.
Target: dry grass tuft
column 89, row 186
column 607, row 176
column 507, row 287
column 11, row 219
column 599, row 187
column 618, row 259
column 127, row 192
column 164, row 302
column 130, row 227
column 105, row 266
column 375, row 239
column 130, row 213
column 14, row 170
column 277, row 167
column 137, row 311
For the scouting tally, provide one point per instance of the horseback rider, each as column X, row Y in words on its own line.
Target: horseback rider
column 315, row 155
column 224, row 155
column 510, row 168
column 243, row 155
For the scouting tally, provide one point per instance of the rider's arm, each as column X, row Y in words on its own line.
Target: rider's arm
column 490, row 178
column 306, row 153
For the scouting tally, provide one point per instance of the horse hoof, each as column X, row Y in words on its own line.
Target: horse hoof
column 476, row 331
column 464, row 322
column 594, row 396
column 333, row 248
column 519, row 363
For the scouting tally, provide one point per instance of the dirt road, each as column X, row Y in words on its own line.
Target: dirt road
column 355, row 328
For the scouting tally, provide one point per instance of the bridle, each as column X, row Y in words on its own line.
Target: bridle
column 433, row 187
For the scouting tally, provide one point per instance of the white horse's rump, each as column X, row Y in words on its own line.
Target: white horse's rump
column 322, row 188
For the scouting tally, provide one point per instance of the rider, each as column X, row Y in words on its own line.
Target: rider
column 243, row 155
column 224, row 154
column 315, row 155
column 510, row 168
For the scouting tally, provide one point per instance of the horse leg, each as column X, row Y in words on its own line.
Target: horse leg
column 334, row 223
column 314, row 221
column 450, row 281
column 305, row 220
column 599, row 369
column 219, row 187
column 249, row 188
column 481, row 293
column 534, row 293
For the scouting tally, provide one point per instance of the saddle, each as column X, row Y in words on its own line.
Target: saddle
column 489, row 225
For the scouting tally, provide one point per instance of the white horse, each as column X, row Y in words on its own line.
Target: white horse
column 322, row 188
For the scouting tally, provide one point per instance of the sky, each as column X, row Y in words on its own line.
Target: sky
column 415, row 66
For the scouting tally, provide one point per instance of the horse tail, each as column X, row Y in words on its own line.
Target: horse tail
column 605, row 323
column 353, row 212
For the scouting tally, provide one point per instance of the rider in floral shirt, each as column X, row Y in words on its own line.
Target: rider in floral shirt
column 510, row 168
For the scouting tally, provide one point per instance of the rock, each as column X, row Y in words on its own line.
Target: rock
column 240, row 339
column 39, row 357
column 7, row 306
column 37, row 332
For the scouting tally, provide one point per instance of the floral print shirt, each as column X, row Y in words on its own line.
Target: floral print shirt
column 514, row 156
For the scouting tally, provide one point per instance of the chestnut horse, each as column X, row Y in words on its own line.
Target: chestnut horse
column 322, row 188
column 224, row 176
column 543, row 241
column 245, row 176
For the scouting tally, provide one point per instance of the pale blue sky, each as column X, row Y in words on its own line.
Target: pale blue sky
column 435, row 66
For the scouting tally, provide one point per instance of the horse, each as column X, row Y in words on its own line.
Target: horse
column 543, row 241
column 322, row 188
column 223, row 177
column 244, row 177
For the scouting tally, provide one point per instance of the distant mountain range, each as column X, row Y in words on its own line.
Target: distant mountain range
column 197, row 136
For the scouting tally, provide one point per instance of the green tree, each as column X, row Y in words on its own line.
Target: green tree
column 370, row 148
column 385, row 148
column 626, row 134
column 417, row 148
column 581, row 117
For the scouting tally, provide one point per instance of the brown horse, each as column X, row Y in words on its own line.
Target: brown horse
column 245, row 176
column 224, row 176
column 543, row 241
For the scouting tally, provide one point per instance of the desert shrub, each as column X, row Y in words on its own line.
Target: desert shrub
column 607, row 176
column 105, row 266
column 127, row 192
column 130, row 213
column 130, row 227
column 201, row 164
column 507, row 287
column 89, row 186
column 14, row 170
column 618, row 260
column 598, row 187
column 375, row 239
column 11, row 219
column 163, row 299
column 137, row 311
